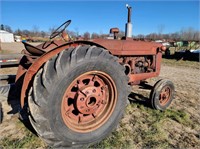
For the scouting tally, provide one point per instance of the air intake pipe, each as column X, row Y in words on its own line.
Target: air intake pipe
column 128, row 28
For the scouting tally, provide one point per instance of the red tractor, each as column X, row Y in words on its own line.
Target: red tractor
column 76, row 92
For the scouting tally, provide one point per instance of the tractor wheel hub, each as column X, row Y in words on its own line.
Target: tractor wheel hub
column 89, row 99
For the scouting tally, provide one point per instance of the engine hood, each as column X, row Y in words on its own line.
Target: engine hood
column 128, row 47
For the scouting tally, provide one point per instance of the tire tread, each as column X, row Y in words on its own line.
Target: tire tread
column 47, row 76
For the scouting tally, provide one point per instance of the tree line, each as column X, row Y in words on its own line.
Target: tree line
column 188, row 34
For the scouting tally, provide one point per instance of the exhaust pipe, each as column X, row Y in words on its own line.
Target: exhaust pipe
column 128, row 28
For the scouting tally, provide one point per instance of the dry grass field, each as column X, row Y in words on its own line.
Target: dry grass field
column 141, row 126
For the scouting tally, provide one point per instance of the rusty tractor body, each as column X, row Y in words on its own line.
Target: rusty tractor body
column 76, row 91
column 141, row 62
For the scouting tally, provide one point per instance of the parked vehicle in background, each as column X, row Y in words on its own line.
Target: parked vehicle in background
column 17, row 38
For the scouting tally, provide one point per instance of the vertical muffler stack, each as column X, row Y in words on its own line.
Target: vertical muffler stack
column 128, row 28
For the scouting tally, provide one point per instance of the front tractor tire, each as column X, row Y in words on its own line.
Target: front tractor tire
column 162, row 94
column 78, row 97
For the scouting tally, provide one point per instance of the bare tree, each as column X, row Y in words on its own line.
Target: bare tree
column 86, row 35
column 161, row 28
column 77, row 31
column 8, row 28
column 43, row 34
column 72, row 34
column 121, row 34
column 18, row 32
column 189, row 34
column 94, row 35
column 35, row 30
column 2, row 27
column 152, row 36
column 26, row 32
column 196, row 36
column 140, row 36
column 175, row 36
column 103, row 36
column 51, row 29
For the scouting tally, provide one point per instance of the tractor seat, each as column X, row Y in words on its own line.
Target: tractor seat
column 33, row 50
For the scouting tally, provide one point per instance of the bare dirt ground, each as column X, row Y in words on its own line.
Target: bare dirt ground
column 14, row 47
column 141, row 127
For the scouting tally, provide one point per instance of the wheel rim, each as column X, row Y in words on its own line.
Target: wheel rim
column 89, row 101
column 165, row 95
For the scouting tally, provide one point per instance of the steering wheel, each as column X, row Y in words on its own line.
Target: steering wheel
column 60, row 29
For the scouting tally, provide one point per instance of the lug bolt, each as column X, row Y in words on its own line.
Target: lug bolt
column 94, row 91
column 87, row 110
column 82, row 99
column 86, row 92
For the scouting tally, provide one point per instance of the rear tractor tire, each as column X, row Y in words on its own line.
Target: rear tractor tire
column 78, row 97
column 162, row 94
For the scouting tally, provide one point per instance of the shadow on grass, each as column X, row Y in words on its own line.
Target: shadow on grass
column 136, row 98
column 13, row 100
